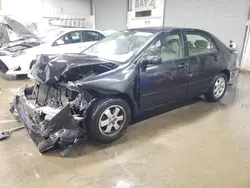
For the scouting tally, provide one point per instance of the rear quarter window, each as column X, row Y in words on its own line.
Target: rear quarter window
column 200, row 44
column 89, row 36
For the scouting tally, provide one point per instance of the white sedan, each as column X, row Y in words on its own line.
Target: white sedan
column 56, row 41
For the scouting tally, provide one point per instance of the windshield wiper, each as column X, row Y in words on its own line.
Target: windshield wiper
column 98, row 57
column 90, row 55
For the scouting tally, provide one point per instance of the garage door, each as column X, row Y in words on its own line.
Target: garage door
column 111, row 14
column 226, row 19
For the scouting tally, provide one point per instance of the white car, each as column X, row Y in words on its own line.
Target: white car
column 58, row 41
column 110, row 32
column 16, row 59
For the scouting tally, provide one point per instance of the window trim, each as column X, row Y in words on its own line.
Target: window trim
column 202, row 34
column 55, row 44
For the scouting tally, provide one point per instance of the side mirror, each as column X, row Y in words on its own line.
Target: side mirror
column 152, row 60
column 59, row 42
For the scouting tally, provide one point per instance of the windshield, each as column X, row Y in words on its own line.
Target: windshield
column 51, row 34
column 120, row 46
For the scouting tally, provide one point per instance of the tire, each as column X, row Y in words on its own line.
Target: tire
column 102, row 122
column 212, row 95
column 32, row 63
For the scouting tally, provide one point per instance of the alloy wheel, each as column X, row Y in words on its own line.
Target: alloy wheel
column 112, row 120
column 219, row 87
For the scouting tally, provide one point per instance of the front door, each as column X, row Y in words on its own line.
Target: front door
column 160, row 84
column 203, row 61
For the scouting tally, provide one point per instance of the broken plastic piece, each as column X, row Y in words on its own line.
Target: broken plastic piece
column 5, row 134
column 68, row 150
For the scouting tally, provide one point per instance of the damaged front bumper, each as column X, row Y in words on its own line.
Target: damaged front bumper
column 59, row 131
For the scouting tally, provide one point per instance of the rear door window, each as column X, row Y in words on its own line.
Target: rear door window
column 199, row 44
column 89, row 36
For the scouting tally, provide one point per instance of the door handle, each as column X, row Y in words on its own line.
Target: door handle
column 183, row 66
column 216, row 58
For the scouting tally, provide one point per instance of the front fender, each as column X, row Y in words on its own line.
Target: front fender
column 10, row 62
column 19, row 64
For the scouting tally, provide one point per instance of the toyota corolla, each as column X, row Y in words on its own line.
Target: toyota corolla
column 98, row 91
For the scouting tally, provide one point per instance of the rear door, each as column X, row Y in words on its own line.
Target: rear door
column 204, row 60
column 160, row 84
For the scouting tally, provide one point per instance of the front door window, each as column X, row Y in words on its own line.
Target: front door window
column 169, row 48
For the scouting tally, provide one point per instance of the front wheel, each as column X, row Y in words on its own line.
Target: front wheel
column 218, row 88
column 108, row 119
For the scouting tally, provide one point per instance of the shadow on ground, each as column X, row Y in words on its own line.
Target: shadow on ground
column 150, row 124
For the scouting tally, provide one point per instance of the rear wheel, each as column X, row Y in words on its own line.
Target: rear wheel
column 108, row 119
column 218, row 88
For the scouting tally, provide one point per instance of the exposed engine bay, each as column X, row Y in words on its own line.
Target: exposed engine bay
column 54, row 117
column 49, row 101
column 15, row 37
column 17, row 48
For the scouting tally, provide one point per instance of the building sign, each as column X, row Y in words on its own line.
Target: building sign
column 143, row 4
column 155, row 19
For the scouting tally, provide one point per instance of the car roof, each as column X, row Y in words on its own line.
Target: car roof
column 156, row 30
column 75, row 29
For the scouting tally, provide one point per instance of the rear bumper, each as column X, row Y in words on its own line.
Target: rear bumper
column 233, row 76
column 59, row 132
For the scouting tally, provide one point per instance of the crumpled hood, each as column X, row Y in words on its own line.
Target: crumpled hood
column 9, row 23
column 51, row 69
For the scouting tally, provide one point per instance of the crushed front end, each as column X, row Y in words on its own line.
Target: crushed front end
column 53, row 116
column 55, row 109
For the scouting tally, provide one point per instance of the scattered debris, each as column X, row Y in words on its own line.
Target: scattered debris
column 5, row 134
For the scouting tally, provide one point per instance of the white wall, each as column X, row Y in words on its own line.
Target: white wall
column 245, row 63
column 33, row 10
column 71, row 7
column 28, row 10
